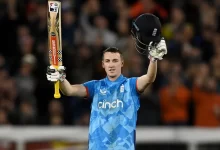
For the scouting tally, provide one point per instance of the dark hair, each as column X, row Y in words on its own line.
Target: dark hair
column 112, row 50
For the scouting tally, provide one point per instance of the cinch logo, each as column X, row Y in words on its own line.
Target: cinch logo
column 114, row 104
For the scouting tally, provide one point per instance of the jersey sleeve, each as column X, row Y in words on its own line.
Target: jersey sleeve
column 90, row 88
column 133, row 85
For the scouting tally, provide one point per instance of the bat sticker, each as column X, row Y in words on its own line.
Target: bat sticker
column 54, row 48
column 53, row 7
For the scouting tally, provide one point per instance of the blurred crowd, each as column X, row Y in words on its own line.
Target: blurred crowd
column 187, row 88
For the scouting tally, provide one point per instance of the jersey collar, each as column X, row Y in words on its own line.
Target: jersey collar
column 109, row 82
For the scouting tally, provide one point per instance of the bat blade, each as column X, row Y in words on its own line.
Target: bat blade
column 54, row 38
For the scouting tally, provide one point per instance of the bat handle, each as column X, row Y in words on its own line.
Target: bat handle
column 56, row 89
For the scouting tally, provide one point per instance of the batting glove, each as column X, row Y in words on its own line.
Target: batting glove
column 157, row 52
column 54, row 74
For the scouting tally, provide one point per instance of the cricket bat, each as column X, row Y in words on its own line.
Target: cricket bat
column 55, row 39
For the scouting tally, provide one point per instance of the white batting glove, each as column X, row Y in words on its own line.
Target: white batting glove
column 157, row 52
column 54, row 74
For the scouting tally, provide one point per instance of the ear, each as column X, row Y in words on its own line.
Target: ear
column 122, row 63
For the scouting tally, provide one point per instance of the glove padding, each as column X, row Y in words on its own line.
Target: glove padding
column 54, row 74
column 157, row 52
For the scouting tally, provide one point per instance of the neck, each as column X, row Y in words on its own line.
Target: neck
column 113, row 78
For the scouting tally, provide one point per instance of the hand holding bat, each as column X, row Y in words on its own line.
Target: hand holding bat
column 55, row 39
column 55, row 75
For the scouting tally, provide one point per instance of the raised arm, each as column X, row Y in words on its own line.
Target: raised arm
column 144, row 81
column 66, row 88
column 73, row 90
column 155, row 54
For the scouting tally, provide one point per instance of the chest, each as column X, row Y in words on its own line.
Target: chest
column 112, row 99
column 111, row 92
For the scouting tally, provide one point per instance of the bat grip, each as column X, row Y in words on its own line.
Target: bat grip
column 56, row 89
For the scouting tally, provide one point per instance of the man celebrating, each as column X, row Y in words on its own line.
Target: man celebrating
column 115, row 99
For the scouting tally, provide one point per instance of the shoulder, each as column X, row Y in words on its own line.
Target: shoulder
column 101, row 80
column 90, row 83
column 132, row 79
column 96, row 82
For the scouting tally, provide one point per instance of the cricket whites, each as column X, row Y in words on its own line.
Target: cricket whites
column 54, row 38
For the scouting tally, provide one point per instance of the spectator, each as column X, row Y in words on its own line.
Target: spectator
column 3, row 117
column 174, row 99
column 25, row 80
column 148, row 6
column 207, row 103
column 27, row 113
column 176, row 22
column 55, row 114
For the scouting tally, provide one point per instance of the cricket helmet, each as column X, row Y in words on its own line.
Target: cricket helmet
column 146, row 32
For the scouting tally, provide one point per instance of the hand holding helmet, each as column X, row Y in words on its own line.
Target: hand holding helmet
column 146, row 31
column 157, row 52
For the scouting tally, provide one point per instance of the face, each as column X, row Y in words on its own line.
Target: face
column 211, row 84
column 112, row 63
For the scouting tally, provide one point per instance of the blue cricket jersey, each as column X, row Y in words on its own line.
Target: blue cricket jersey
column 113, row 113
